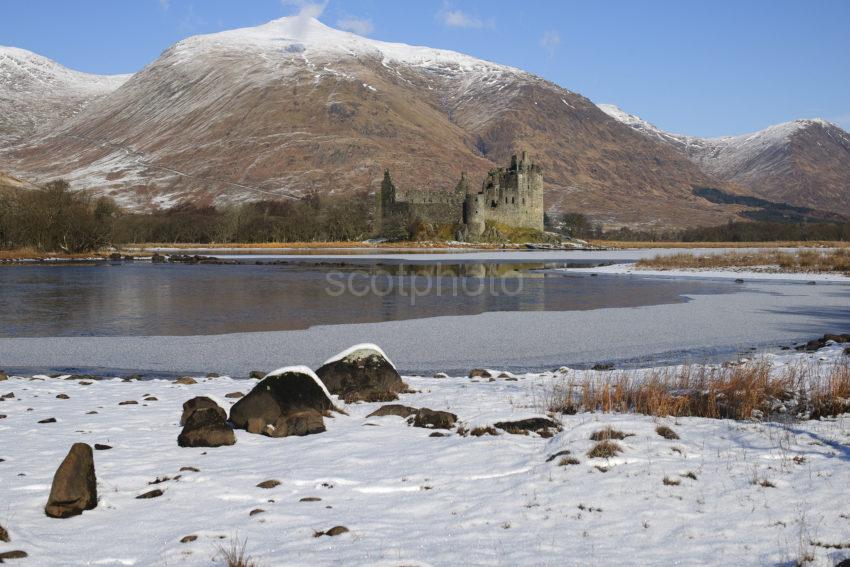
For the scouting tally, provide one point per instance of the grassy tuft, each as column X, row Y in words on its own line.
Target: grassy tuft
column 609, row 433
column 666, row 432
column 236, row 555
column 605, row 450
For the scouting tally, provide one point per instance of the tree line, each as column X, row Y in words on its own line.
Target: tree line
column 579, row 225
column 54, row 218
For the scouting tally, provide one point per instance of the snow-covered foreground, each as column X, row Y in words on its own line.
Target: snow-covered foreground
column 738, row 493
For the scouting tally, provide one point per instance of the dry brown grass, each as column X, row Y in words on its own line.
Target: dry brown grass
column 776, row 244
column 740, row 391
column 29, row 253
column 235, row 555
column 605, row 450
column 666, row 432
column 836, row 260
column 609, row 433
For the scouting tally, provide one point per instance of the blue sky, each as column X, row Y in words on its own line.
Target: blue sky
column 706, row 68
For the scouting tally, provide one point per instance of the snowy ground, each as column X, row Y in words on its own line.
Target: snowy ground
column 410, row 499
column 746, row 274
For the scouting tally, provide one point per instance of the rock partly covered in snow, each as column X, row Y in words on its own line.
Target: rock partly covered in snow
column 288, row 401
column 362, row 373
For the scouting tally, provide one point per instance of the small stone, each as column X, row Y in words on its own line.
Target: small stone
column 234, row 395
column 15, row 554
column 437, row 434
column 334, row 531
column 441, row 375
column 92, row 412
column 256, row 374
column 188, row 538
column 151, row 494
column 85, row 383
column 393, row 409
column 478, row 373
column 151, row 399
column 212, row 375
column 310, row 499
column 9, row 396
column 434, row 419
column 2, row 416
column 269, row 484
column 189, row 469
column 186, row 380
column 101, row 447
column 4, row 535
column 63, row 397
column 128, row 403
column 48, row 420
column 256, row 511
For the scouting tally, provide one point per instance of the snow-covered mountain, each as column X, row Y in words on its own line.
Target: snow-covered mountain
column 802, row 162
column 293, row 106
column 36, row 92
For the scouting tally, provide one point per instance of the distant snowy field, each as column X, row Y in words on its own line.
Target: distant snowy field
column 410, row 499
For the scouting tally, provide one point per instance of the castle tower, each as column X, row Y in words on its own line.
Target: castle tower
column 385, row 201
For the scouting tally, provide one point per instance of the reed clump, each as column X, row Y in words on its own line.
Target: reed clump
column 804, row 261
column 754, row 389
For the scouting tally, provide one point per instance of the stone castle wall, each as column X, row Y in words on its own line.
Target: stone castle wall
column 512, row 197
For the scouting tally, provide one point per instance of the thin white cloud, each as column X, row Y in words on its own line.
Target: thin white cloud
column 306, row 8
column 360, row 26
column 454, row 18
column 550, row 40
column 164, row 5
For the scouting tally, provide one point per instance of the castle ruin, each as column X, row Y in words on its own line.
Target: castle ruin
column 512, row 197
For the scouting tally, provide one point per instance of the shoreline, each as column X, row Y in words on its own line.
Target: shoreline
column 717, row 274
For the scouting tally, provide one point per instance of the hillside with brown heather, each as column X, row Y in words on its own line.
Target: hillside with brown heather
column 802, row 162
column 293, row 106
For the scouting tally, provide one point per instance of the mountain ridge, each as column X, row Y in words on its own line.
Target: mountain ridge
column 294, row 106
column 804, row 162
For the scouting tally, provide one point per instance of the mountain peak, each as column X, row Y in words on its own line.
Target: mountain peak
column 303, row 36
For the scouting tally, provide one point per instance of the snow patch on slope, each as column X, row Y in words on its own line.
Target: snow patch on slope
column 724, row 156
column 301, row 36
column 36, row 92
